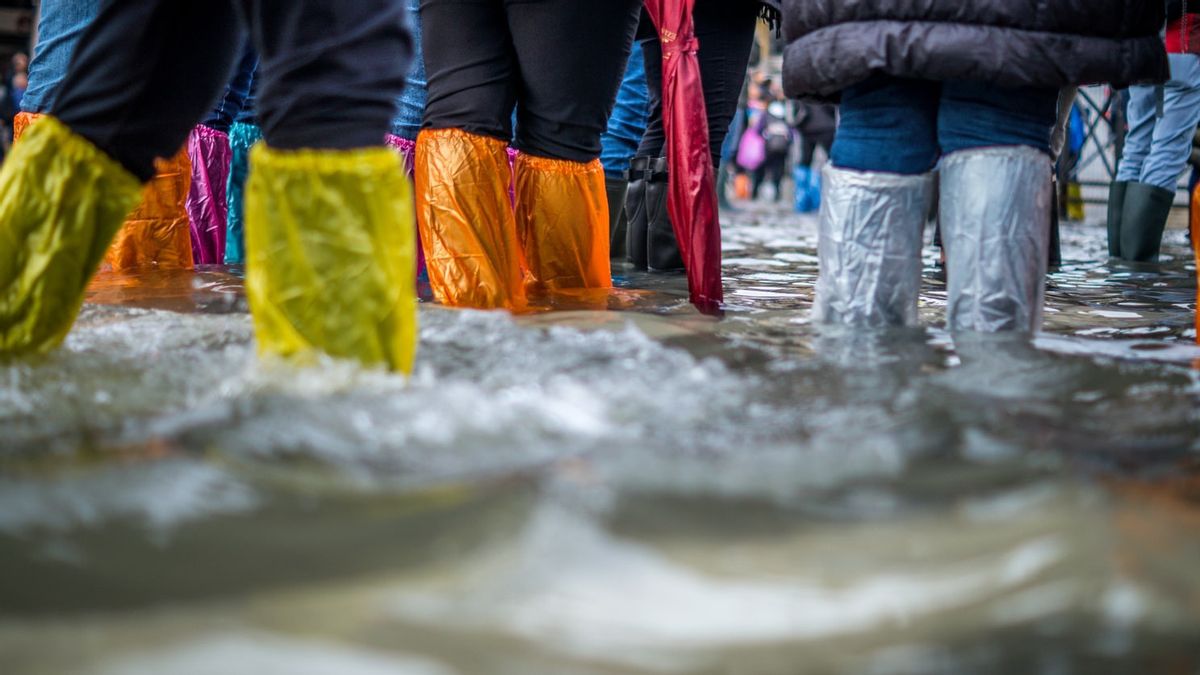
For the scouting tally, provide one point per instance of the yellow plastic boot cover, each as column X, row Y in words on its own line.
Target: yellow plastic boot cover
column 466, row 220
column 158, row 232
column 562, row 222
column 330, row 255
column 61, row 202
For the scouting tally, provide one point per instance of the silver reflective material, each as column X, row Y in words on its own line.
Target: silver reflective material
column 995, row 216
column 870, row 247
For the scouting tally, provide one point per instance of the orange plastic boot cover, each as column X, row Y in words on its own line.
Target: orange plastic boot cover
column 562, row 221
column 158, row 231
column 466, row 220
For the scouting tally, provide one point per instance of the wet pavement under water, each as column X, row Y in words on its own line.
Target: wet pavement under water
column 640, row 490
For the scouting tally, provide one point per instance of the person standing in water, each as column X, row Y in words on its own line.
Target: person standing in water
column 330, row 258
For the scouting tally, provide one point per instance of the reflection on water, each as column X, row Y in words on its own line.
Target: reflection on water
column 638, row 490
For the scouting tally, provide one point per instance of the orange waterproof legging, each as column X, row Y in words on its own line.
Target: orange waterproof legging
column 157, row 233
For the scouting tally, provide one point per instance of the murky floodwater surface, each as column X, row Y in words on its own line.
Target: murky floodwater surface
column 639, row 490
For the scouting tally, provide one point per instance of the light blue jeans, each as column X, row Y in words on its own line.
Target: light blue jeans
column 411, row 105
column 60, row 24
column 627, row 123
column 1157, row 148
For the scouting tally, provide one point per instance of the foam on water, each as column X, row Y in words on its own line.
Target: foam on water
column 637, row 491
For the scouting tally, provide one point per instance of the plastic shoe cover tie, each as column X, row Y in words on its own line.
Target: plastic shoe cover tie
column 61, row 202
column 562, row 222
column 242, row 137
column 995, row 216
column 869, row 247
column 330, row 255
column 158, row 231
column 207, row 206
column 468, row 229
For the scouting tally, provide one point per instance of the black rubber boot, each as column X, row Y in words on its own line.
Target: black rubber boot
column 662, row 250
column 1116, row 208
column 618, row 223
column 1143, row 219
column 635, row 212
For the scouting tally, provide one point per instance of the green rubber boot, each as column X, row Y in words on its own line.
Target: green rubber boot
column 1143, row 219
column 1116, row 207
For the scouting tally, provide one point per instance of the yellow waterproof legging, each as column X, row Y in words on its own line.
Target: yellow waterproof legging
column 330, row 255
column 61, row 202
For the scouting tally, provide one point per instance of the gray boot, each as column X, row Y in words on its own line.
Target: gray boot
column 870, row 247
column 995, row 215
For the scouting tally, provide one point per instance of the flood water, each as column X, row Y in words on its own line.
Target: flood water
column 639, row 490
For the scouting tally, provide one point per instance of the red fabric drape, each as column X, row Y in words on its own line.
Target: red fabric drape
column 692, row 195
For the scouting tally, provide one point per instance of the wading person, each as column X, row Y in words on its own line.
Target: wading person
column 1157, row 146
column 156, row 233
column 558, row 64
column 970, row 86
column 725, row 31
column 328, row 229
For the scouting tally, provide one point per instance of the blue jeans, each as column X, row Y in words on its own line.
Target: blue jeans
column 1157, row 149
column 237, row 103
column 60, row 25
column 627, row 123
column 412, row 102
column 905, row 126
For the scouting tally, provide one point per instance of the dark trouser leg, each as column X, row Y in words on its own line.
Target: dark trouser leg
column 470, row 65
column 726, row 33
column 145, row 73
column 330, row 71
column 571, row 55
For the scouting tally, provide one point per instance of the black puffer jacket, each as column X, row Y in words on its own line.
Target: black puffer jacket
column 833, row 44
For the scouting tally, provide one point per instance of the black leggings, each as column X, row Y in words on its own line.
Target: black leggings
column 725, row 29
column 557, row 62
column 147, row 71
column 772, row 169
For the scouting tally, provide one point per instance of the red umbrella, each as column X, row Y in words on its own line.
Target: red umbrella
column 691, row 191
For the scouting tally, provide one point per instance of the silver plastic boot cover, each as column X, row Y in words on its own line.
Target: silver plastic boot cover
column 995, row 217
column 871, row 225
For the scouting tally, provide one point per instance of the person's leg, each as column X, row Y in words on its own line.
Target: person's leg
column 568, row 87
column 726, row 33
column 329, row 235
column 619, row 146
column 874, row 198
column 888, row 124
column 462, row 174
column 995, row 192
column 237, row 91
column 757, row 177
column 211, row 155
column 144, row 74
column 134, row 89
column 1141, row 114
column 1148, row 200
column 407, row 122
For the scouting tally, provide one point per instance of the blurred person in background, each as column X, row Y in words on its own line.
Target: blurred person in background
column 775, row 128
